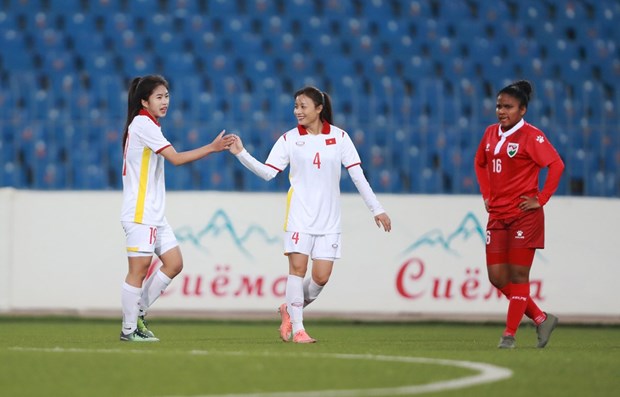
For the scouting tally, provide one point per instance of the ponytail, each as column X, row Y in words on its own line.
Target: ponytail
column 140, row 89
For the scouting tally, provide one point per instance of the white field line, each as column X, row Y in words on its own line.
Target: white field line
column 487, row 373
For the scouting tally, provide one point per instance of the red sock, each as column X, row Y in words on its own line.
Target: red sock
column 532, row 310
column 519, row 295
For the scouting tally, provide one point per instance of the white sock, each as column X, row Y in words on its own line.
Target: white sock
column 152, row 289
column 311, row 291
column 295, row 301
column 130, row 301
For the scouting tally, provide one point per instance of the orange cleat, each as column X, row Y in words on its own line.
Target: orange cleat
column 303, row 337
column 286, row 328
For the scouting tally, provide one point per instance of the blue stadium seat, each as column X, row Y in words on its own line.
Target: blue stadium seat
column 111, row 93
column 533, row 13
column 79, row 26
column 49, row 39
column 179, row 178
column 8, row 152
column 92, row 177
column 14, row 58
column 600, row 184
column 413, row 67
column 263, row 9
column 53, row 8
column 12, row 174
column 222, row 8
column 49, row 175
column 90, row 47
column 384, row 180
column 427, row 181
column 59, row 61
column 7, row 23
column 179, row 63
column 580, row 164
column 415, row 9
column 214, row 173
column 455, row 10
column 300, row 7
column 253, row 183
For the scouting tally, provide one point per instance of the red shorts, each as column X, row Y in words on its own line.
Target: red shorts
column 514, row 240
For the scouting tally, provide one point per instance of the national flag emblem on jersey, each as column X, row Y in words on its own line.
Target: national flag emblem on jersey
column 512, row 149
column 330, row 141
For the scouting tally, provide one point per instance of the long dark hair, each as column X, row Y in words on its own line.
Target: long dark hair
column 140, row 89
column 521, row 90
column 319, row 98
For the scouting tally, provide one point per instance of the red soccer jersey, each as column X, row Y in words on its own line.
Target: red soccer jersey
column 508, row 166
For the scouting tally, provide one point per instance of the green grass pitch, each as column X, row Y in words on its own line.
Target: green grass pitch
column 83, row 357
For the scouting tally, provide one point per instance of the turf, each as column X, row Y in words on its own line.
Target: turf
column 80, row 357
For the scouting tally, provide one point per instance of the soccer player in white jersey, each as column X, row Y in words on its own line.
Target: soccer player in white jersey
column 144, row 201
column 316, row 150
column 508, row 162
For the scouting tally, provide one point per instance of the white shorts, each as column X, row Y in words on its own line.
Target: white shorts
column 146, row 240
column 323, row 246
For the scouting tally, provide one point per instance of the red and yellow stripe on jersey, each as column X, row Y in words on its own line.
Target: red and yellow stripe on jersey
column 144, row 190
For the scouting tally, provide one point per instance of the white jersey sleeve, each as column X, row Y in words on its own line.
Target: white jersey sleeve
column 279, row 156
column 350, row 157
column 151, row 135
column 258, row 168
column 352, row 162
column 362, row 185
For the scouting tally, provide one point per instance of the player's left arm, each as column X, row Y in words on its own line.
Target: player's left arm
column 556, row 168
column 544, row 154
column 369, row 197
column 351, row 161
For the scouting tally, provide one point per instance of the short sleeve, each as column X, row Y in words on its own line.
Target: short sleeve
column 279, row 156
column 151, row 135
column 350, row 157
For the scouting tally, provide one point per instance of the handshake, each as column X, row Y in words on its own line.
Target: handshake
column 230, row 142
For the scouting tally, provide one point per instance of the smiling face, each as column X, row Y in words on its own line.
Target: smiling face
column 509, row 111
column 157, row 104
column 306, row 112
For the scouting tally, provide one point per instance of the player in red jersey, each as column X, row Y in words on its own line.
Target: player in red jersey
column 508, row 162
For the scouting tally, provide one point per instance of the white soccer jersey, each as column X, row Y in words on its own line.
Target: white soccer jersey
column 313, row 204
column 144, row 189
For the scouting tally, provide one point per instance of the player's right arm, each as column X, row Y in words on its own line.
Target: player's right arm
column 219, row 144
column 482, row 175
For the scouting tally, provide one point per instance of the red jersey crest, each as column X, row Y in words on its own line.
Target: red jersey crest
column 512, row 149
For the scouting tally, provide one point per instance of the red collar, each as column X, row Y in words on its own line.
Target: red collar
column 325, row 130
column 144, row 112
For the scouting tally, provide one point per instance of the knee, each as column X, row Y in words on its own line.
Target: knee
column 498, row 282
column 298, row 270
column 178, row 268
column 519, row 279
column 172, row 270
column 137, row 273
column 321, row 280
